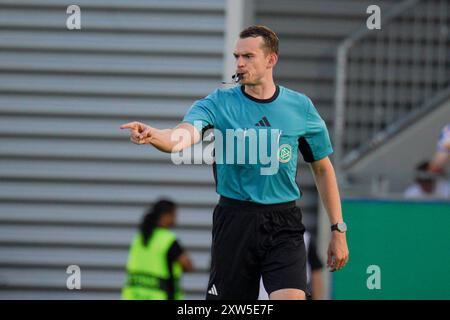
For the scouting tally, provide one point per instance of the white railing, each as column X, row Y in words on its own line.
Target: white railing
column 387, row 77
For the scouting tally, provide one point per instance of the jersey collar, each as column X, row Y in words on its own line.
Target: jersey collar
column 268, row 100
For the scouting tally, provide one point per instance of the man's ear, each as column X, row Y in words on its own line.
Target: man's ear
column 273, row 59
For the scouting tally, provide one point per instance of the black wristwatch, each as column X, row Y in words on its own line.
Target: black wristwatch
column 340, row 227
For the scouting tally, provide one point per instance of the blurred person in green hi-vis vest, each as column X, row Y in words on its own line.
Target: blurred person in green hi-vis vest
column 156, row 260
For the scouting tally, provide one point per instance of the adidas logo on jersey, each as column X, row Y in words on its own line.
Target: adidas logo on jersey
column 263, row 122
column 213, row 291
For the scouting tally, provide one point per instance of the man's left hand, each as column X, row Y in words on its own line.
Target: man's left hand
column 337, row 251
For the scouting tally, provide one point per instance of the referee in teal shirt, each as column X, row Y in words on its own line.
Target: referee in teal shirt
column 257, row 227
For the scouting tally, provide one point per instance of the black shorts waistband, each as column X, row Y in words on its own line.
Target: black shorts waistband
column 248, row 205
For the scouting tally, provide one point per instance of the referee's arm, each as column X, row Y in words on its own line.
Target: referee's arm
column 165, row 140
column 325, row 179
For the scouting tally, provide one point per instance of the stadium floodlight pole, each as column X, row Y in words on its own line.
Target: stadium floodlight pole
column 340, row 93
column 238, row 15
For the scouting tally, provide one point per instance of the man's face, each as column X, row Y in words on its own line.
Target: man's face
column 253, row 61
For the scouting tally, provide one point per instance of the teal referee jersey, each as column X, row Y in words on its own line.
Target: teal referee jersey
column 273, row 128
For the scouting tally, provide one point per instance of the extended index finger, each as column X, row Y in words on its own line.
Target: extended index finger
column 130, row 125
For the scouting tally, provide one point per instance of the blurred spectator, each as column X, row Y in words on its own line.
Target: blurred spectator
column 156, row 259
column 313, row 272
column 442, row 155
column 427, row 184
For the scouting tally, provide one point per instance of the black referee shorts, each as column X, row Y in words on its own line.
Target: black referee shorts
column 251, row 240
